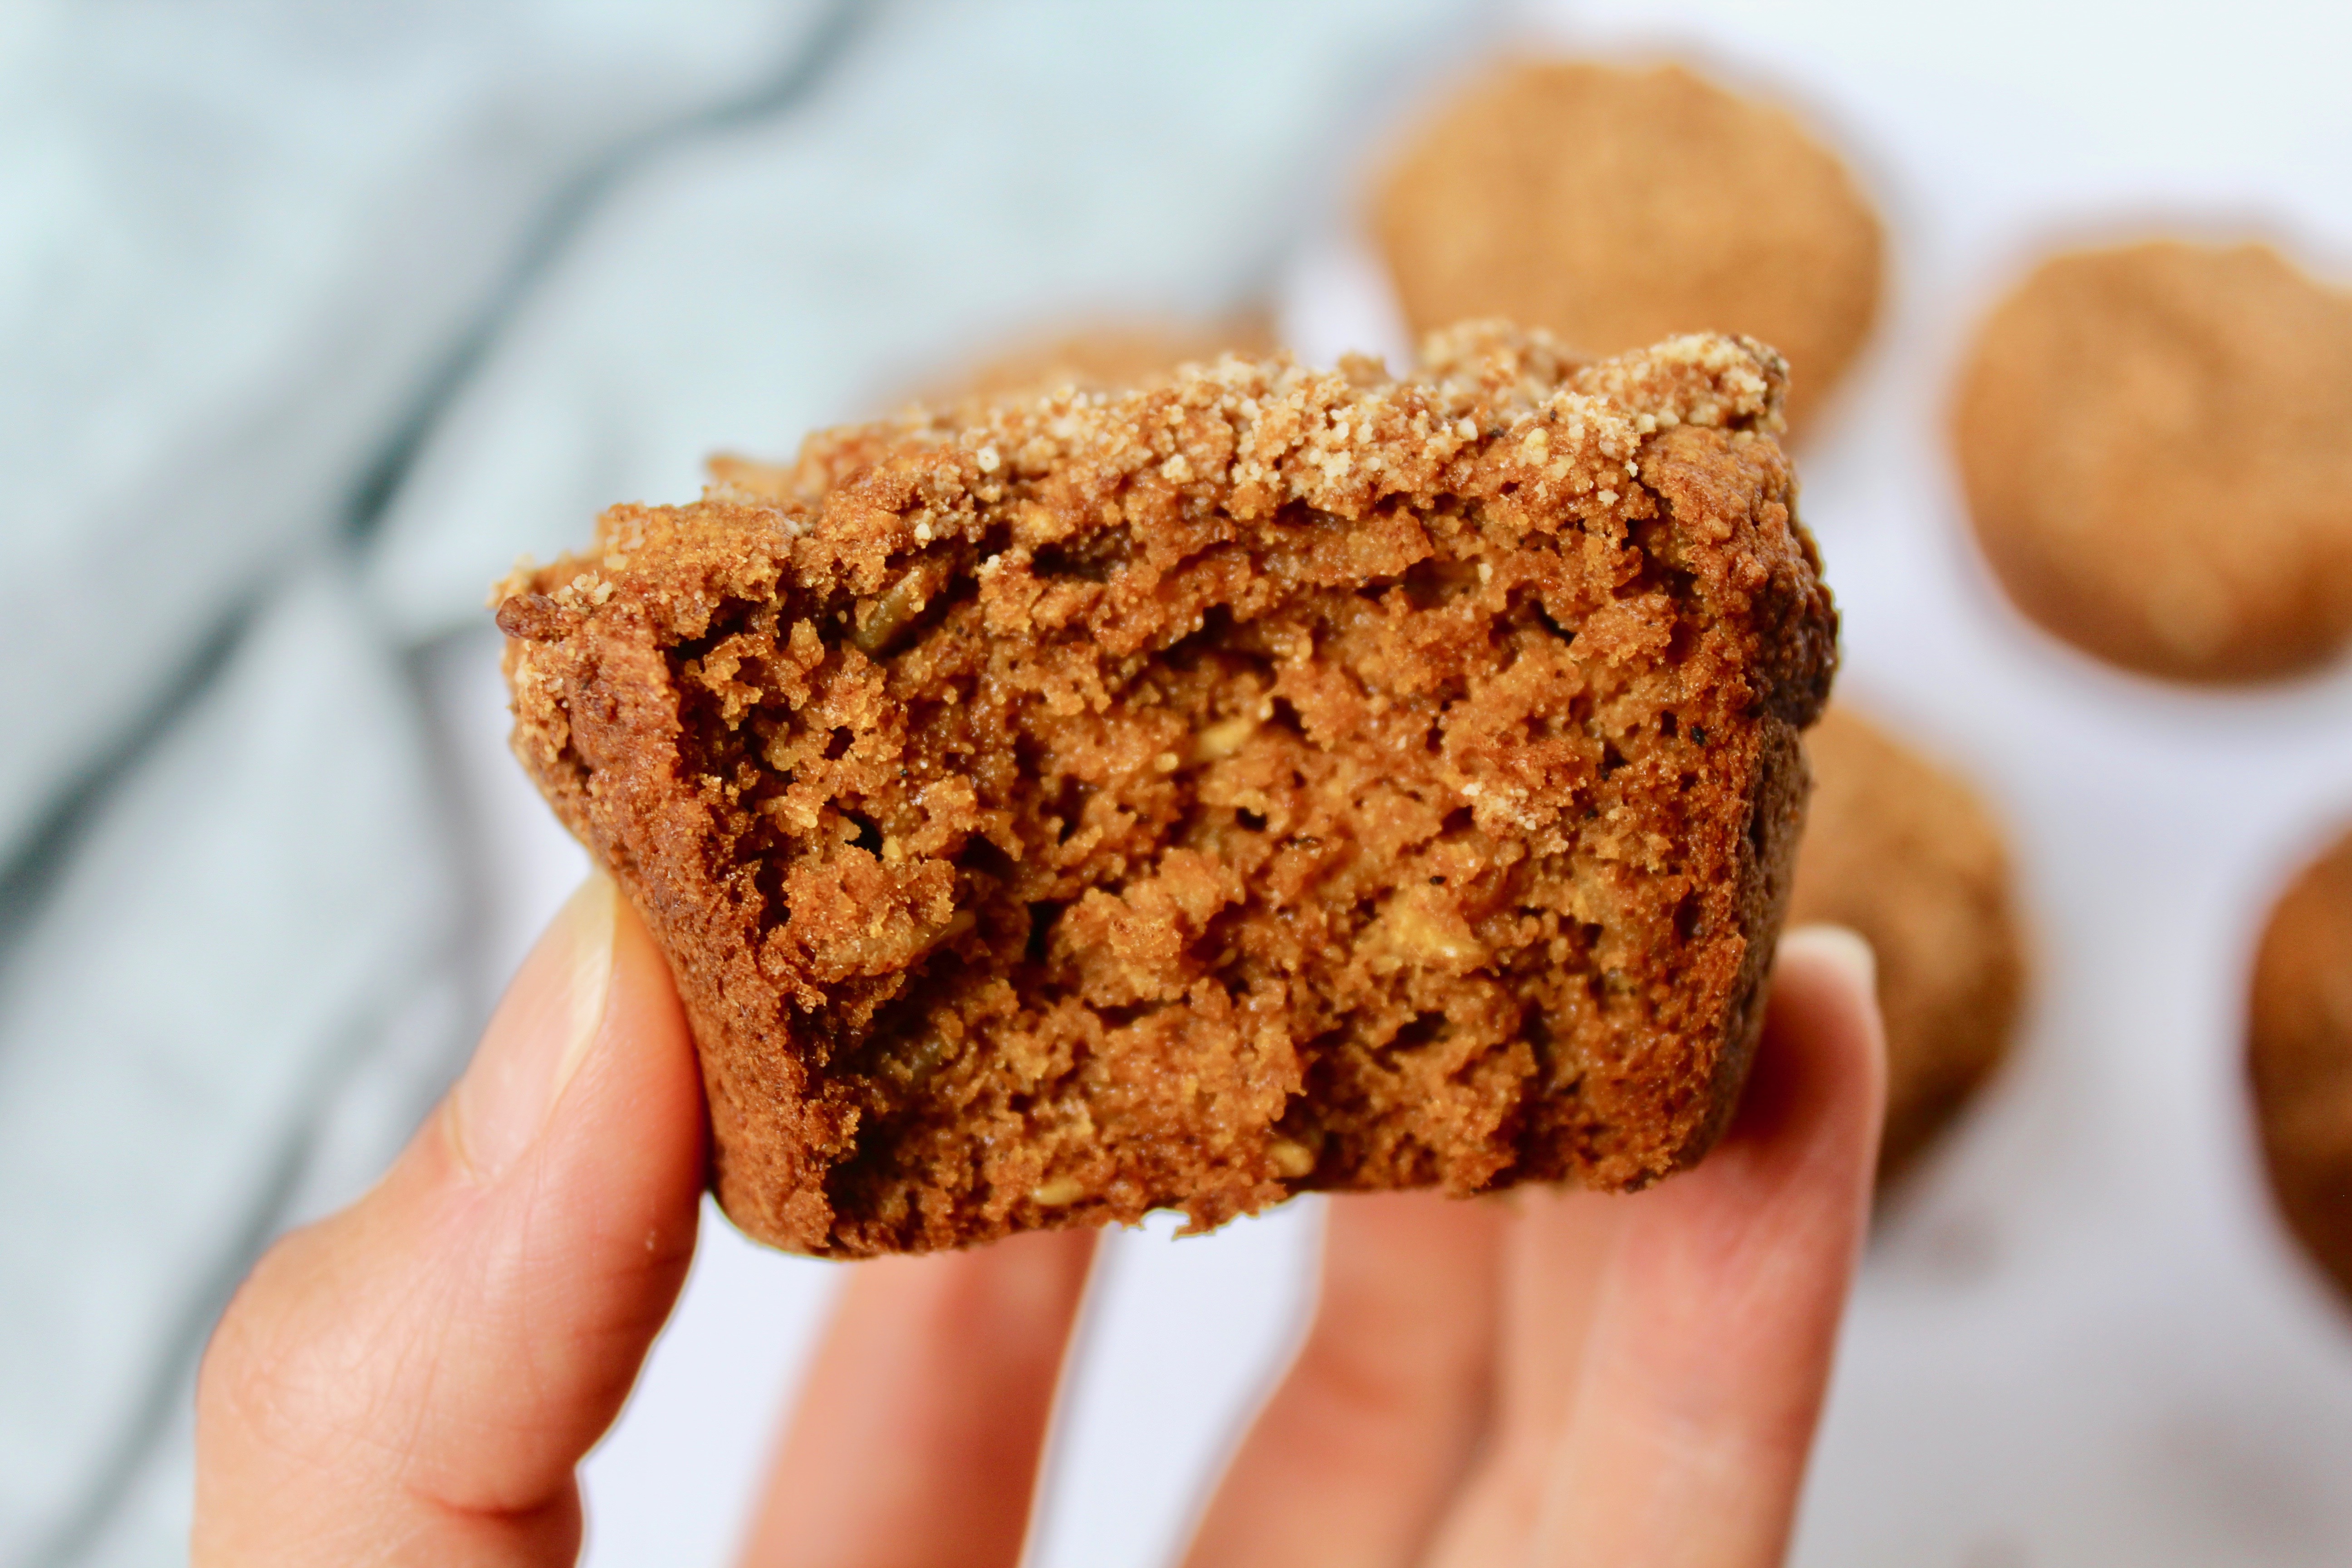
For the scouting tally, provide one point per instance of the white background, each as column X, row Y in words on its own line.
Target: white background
column 2080, row 1338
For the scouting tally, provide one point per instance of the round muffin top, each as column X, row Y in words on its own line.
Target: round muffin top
column 2299, row 1054
column 2153, row 441
column 1108, row 355
column 1906, row 854
column 1614, row 207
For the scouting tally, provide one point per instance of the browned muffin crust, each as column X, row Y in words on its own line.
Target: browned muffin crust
column 2299, row 1057
column 1263, row 781
column 1614, row 206
column 2153, row 442
column 1903, row 852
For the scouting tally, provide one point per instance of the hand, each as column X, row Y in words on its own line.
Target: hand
column 1551, row 1378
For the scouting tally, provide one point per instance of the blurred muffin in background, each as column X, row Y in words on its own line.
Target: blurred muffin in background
column 1111, row 354
column 1905, row 853
column 1107, row 355
column 1618, row 206
column 2157, row 446
column 2299, row 1057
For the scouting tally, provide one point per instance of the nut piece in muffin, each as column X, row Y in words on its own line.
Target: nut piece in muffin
column 2153, row 442
column 1902, row 851
column 2299, row 1057
column 1614, row 206
column 1261, row 782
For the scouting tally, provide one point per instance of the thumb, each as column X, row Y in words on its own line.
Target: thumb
column 412, row 1380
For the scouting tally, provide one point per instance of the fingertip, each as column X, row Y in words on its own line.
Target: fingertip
column 640, row 1063
column 1840, row 948
column 551, row 1014
column 1824, row 1024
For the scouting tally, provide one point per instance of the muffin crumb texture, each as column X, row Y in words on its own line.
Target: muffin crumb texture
column 1265, row 780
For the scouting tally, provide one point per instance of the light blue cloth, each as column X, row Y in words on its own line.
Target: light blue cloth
column 310, row 318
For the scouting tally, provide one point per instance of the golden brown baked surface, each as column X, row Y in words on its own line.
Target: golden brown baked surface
column 1616, row 206
column 1263, row 782
column 2153, row 442
column 2299, row 1055
column 1903, row 852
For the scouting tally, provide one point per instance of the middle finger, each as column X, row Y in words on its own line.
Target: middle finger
column 1353, row 1459
column 1553, row 1255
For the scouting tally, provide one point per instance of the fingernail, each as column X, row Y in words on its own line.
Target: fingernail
column 540, row 1035
column 1842, row 947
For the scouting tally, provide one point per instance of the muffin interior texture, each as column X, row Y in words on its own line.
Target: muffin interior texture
column 1266, row 782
